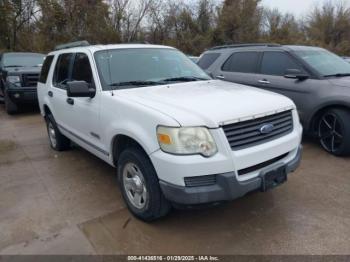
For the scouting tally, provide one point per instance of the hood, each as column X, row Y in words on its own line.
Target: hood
column 340, row 81
column 23, row 70
column 208, row 103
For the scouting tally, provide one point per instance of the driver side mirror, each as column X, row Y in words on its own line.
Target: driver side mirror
column 80, row 89
column 296, row 74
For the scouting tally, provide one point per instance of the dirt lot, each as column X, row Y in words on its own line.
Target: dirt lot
column 69, row 203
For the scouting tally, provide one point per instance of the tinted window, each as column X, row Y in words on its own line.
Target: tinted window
column 45, row 69
column 244, row 62
column 277, row 63
column 207, row 60
column 82, row 69
column 61, row 75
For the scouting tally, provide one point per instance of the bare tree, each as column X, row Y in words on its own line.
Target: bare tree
column 128, row 16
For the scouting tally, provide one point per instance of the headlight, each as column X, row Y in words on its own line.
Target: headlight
column 186, row 141
column 14, row 80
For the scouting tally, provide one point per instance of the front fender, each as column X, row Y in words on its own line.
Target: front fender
column 137, row 132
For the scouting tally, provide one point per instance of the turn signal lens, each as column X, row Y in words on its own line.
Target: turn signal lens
column 164, row 139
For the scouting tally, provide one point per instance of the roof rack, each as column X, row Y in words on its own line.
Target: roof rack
column 72, row 44
column 245, row 45
column 137, row 42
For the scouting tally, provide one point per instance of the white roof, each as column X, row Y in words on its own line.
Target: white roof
column 94, row 48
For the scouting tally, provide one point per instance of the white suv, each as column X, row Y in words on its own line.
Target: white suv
column 174, row 134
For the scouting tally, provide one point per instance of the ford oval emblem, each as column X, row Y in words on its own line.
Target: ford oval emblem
column 266, row 128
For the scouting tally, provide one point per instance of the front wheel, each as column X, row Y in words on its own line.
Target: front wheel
column 140, row 186
column 334, row 131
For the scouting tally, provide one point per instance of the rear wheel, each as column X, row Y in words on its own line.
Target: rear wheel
column 334, row 131
column 10, row 107
column 57, row 141
column 140, row 186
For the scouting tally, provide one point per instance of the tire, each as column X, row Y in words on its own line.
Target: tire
column 334, row 131
column 57, row 141
column 137, row 175
column 10, row 107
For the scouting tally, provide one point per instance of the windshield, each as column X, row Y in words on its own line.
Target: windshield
column 126, row 68
column 23, row 60
column 325, row 62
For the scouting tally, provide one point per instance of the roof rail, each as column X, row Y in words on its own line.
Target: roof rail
column 245, row 45
column 137, row 42
column 72, row 44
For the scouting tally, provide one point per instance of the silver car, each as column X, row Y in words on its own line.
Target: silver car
column 317, row 80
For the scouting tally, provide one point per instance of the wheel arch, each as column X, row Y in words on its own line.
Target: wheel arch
column 315, row 116
column 46, row 110
column 120, row 142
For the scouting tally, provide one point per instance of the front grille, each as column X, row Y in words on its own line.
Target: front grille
column 30, row 80
column 247, row 134
column 251, row 169
column 200, row 181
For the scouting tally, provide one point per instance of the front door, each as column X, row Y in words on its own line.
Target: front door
column 273, row 67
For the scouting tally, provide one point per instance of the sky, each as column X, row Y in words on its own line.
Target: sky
column 297, row 7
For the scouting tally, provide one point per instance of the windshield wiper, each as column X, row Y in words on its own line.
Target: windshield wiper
column 338, row 75
column 183, row 79
column 134, row 83
column 13, row 66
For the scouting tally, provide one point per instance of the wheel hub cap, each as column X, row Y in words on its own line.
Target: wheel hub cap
column 52, row 135
column 134, row 186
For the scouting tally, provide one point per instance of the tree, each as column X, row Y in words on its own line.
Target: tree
column 239, row 21
column 14, row 16
column 280, row 28
column 71, row 20
column 328, row 26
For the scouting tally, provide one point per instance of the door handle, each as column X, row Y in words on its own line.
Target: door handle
column 70, row 101
column 220, row 77
column 50, row 94
column 264, row 81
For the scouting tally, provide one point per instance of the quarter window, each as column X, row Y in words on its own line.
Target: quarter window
column 277, row 63
column 45, row 69
column 243, row 62
column 82, row 69
column 61, row 75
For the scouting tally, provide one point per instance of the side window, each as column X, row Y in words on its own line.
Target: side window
column 62, row 70
column 82, row 69
column 45, row 69
column 207, row 60
column 276, row 63
column 242, row 62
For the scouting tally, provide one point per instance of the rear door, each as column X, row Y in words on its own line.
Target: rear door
column 240, row 67
column 58, row 89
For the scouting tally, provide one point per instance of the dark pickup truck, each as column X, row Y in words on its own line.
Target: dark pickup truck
column 19, row 74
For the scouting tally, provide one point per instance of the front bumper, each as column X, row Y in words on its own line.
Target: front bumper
column 23, row 95
column 227, row 186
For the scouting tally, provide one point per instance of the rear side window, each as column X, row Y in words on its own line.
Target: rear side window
column 207, row 60
column 62, row 70
column 277, row 63
column 244, row 62
column 45, row 69
column 82, row 69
